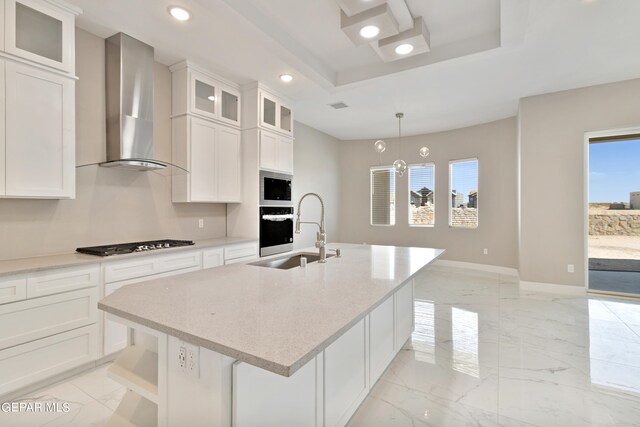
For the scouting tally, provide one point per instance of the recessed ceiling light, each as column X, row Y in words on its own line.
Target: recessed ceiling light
column 286, row 78
column 211, row 98
column 404, row 49
column 369, row 32
column 179, row 13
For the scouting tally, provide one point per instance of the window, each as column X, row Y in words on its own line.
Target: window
column 421, row 194
column 383, row 196
column 463, row 193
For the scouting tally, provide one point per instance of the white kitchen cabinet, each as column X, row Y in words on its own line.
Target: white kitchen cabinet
column 276, row 152
column 211, row 154
column 39, row 143
column 28, row 363
column 213, row 257
column 62, row 280
column 13, row 288
column 37, row 318
column 404, row 309
column 264, row 399
column 345, row 375
column 274, row 113
column 240, row 252
column 199, row 92
column 41, row 31
column 381, row 339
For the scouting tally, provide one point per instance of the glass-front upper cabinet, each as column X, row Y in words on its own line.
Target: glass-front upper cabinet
column 268, row 111
column 194, row 90
column 230, row 105
column 285, row 119
column 42, row 32
column 274, row 115
column 204, row 100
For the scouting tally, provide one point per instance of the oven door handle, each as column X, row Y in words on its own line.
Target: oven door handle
column 283, row 217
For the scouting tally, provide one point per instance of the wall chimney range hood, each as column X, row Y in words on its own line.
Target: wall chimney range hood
column 129, row 96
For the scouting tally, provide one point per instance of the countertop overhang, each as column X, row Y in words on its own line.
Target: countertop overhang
column 274, row 319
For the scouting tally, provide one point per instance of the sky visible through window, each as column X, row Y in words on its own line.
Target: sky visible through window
column 614, row 171
column 464, row 178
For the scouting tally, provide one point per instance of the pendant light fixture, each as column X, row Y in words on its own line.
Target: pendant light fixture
column 399, row 166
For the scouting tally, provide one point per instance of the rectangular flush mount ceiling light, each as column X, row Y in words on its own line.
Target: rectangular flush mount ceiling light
column 351, row 7
column 408, row 43
column 370, row 25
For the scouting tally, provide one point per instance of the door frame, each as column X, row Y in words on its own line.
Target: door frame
column 587, row 138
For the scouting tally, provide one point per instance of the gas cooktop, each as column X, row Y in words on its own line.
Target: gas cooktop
column 127, row 248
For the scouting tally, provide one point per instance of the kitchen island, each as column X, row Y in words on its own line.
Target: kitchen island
column 249, row 345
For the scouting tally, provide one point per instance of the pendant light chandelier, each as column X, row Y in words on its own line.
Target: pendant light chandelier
column 399, row 166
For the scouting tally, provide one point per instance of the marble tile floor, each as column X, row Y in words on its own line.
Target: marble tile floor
column 483, row 353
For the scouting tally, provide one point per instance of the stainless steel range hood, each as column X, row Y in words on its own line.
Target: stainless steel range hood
column 129, row 93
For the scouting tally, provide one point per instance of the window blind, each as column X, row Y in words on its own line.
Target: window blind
column 383, row 196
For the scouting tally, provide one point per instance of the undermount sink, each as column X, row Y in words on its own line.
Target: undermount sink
column 288, row 261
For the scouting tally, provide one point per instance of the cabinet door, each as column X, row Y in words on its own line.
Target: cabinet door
column 284, row 155
column 286, row 119
column 202, row 171
column 203, row 95
column 264, row 399
column 404, row 313
column 228, row 170
column 381, row 339
column 268, row 111
column 37, row 31
column 268, row 150
column 345, row 375
column 230, row 105
column 40, row 133
column 2, row 129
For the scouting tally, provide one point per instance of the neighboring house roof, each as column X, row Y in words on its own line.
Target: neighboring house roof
column 473, row 192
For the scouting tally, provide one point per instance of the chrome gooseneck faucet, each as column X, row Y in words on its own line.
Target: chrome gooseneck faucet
column 321, row 237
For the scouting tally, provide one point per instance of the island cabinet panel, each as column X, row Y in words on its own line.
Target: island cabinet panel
column 381, row 339
column 264, row 399
column 404, row 314
column 345, row 375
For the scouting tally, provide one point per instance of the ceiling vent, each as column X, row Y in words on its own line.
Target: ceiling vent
column 338, row 105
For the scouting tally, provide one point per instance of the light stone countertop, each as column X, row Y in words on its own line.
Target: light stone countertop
column 274, row 319
column 28, row 265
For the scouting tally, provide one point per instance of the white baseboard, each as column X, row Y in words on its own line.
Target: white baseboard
column 473, row 266
column 552, row 288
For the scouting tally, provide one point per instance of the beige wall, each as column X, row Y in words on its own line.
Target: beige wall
column 494, row 144
column 552, row 174
column 110, row 205
column 317, row 169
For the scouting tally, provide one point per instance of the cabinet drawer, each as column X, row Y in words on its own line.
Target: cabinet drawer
column 62, row 280
column 151, row 265
column 13, row 288
column 178, row 262
column 212, row 257
column 245, row 250
column 25, row 364
column 29, row 320
column 119, row 271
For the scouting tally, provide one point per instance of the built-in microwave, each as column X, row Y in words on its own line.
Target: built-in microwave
column 275, row 189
